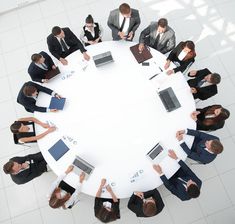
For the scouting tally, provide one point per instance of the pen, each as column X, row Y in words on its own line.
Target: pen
column 153, row 76
column 160, row 69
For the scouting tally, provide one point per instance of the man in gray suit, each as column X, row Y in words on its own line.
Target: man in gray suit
column 124, row 22
column 159, row 36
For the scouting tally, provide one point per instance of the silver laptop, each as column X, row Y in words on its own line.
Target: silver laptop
column 102, row 59
column 81, row 165
column 169, row 99
column 157, row 153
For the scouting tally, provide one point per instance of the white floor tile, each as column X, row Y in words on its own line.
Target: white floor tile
column 3, row 72
column 9, row 21
column 231, row 119
column 51, row 7
column 4, row 211
column 4, row 86
column 213, row 196
column 28, row 217
column 201, row 221
column 7, row 112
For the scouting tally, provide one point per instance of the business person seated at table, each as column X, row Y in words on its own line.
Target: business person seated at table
column 210, row 118
column 123, row 22
column 24, row 129
column 205, row 147
column 204, row 83
column 182, row 55
column 61, row 194
column 24, row 169
column 184, row 184
column 62, row 42
column 40, row 65
column 28, row 94
column 146, row 204
column 106, row 210
column 92, row 32
column 159, row 36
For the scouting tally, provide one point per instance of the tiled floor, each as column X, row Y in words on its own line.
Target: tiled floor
column 210, row 23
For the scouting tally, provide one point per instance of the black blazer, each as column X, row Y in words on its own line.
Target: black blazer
column 135, row 203
column 175, row 186
column 173, row 56
column 36, row 73
column 70, row 39
column 37, row 166
column 203, row 93
column 29, row 103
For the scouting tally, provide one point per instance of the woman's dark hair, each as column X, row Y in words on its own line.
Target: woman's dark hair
column 54, row 202
column 15, row 127
column 106, row 216
column 192, row 54
column 89, row 19
column 224, row 114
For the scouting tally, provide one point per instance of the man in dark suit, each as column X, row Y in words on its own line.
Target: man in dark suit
column 205, row 147
column 184, row 184
column 62, row 42
column 146, row 204
column 204, row 85
column 28, row 97
column 159, row 36
column 40, row 65
column 123, row 22
column 24, row 169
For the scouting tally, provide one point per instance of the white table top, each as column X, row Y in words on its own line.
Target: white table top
column 113, row 117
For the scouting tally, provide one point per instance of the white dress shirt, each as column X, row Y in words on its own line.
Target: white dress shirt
column 126, row 25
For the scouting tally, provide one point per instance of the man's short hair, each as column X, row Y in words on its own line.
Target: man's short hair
column 36, row 57
column 162, row 22
column 56, row 30
column 149, row 209
column 215, row 78
column 7, row 168
column 124, row 8
column 29, row 90
column 193, row 191
column 216, row 146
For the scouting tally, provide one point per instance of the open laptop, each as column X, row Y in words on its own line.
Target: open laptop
column 169, row 99
column 102, row 59
column 140, row 56
column 52, row 73
column 81, row 165
column 157, row 153
column 58, row 150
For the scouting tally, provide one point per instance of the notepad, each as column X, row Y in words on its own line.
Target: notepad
column 57, row 103
column 52, row 73
column 140, row 56
column 58, row 150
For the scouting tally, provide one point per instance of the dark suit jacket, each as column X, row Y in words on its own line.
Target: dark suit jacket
column 203, row 93
column 175, row 186
column 29, row 103
column 135, row 203
column 71, row 40
column 36, row 73
column 198, row 151
column 201, row 118
column 173, row 56
column 113, row 22
column 37, row 165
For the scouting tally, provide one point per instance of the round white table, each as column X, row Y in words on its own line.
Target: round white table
column 113, row 116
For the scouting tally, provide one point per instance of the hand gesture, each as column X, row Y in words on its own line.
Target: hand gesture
column 157, row 168
column 63, row 61
column 86, row 56
column 139, row 194
column 82, row 177
column 45, row 125
column 53, row 67
column 172, row 154
column 192, row 73
column 169, row 72
column 130, row 35
column 167, row 65
column 53, row 110
column 194, row 115
column 103, row 182
column 141, row 48
column 45, row 80
column 108, row 188
column 69, row 169
column 51, row 129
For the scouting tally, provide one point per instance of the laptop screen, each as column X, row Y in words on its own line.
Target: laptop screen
column 103, row 58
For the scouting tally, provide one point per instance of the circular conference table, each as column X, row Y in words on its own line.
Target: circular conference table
column 113, row 116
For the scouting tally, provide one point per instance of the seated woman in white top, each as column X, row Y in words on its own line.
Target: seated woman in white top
column 62, row 195
column 24, row 130
column 92, row 32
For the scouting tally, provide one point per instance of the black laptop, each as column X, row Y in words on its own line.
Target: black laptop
column 169, row 99
column 102, row 59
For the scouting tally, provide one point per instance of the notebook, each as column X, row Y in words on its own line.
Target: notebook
column 58, row 150
column 157, row 153
column 102, row 59
column 140, row 56
column 52, row 73
column 81, row 165
column 169, row 99
column 57, row 103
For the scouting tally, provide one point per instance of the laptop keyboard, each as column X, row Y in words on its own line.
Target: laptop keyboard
column 168, row 101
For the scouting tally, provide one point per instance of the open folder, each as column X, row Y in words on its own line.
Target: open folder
column 52, row 73
column 58, row 150
column 57, row 103
column 140, row 56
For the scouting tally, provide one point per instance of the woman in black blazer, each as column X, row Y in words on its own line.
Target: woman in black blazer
column 210, row 118
column 182, row 55
column 106, row 210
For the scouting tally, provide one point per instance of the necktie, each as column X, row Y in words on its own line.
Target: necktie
column 201, row 83
column 183, row 182
column 123, row 23
column 64, row 47
column 44, row 66
column 157, row 39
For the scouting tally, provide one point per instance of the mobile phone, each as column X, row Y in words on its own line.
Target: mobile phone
column 145, row 63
